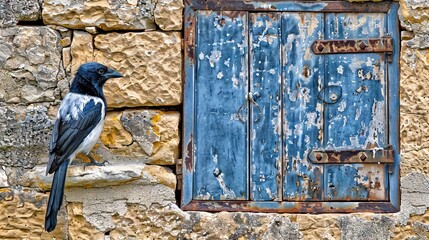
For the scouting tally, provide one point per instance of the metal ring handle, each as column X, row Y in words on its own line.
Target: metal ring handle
column 257, row 106
column 240, row 108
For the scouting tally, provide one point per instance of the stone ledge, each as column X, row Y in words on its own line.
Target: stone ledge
column 100, row 177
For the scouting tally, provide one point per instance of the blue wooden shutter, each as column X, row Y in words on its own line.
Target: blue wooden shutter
column 291, row 110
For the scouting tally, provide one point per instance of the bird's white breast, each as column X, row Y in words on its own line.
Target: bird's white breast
column 76, row 103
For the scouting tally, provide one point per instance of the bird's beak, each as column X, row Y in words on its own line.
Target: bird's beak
column 112, row 74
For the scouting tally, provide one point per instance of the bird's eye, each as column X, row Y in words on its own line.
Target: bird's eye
column 101, row 71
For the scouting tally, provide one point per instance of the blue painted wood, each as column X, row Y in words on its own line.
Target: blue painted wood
column 356, row 182
column 393, row 106
column 369, row 179
column 188, row 109
column 357, row 120
column 221, row 138
column 302, row 78
column 265, row 121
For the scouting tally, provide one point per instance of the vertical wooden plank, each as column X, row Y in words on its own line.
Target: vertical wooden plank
column 302, row 79
column 393, row 104
column 221, row 157
column 188, row 107
column 357, row 119
column 265, row 120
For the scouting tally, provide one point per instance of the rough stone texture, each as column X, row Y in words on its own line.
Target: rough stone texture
column 111, row 15
column 99, row 177
column 151, row 136
column 168, row 14
column 150, row 62
column 24, row 135
column 414, row 108
column 414, row 16
column 12, row 11
column 101, row 205
column 30, row 64
column 354, row 228
column 22, row 215
column 104, row 14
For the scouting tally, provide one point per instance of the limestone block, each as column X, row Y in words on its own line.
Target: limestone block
column 357, row 228
column 414, row 132
column 148, row 135
column 82, row 49
column 414, row 15
column 24, row 135
column 12, row 11
column 168, row 14
column 22, row 216
column 99, row 177
column 414, row 80
column 100, row 206
column 150, row 62
column 415, row 161
column 105, row 14
column 323, row 226
column 30, row 64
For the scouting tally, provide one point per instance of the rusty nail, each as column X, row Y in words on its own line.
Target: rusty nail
column 318, row 156
column 320, row 47
column 363, row 157
column 362, row 45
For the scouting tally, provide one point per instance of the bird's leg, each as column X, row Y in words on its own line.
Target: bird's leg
column 93, row 162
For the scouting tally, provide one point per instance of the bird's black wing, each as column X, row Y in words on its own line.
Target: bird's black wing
column 77, row 117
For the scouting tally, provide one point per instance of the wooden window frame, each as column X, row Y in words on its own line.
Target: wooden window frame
column 186, row 169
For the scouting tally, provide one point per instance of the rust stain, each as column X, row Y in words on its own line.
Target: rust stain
column 189, row 155
column 189, row 38
column 285, row 207
column 372, row 45
column 374, row 156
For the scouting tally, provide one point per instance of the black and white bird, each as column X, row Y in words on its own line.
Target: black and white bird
column 77, row 128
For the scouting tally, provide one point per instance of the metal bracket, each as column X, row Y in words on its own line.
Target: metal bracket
column 370, row 45
column 179, row 173
column 371, row 156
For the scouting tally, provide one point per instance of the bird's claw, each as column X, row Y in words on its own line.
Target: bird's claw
column 100, row 164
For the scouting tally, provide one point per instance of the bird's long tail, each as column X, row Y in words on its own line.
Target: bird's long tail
column 56, row 197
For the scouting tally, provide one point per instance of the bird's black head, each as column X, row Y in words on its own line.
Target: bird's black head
column 90, row 78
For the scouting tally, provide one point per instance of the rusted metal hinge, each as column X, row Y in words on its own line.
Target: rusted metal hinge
column 372, row 156
column 179, row 174
column 370, row 45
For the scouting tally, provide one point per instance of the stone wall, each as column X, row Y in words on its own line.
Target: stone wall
column 42, row 43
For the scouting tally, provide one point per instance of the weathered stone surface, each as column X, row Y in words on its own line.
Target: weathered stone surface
column 30, row 64
column 22, row 216
column 101, row 205
column 414, row 15
column 414, row 132
column 82, row 49
column 414, row 197
column 168, row 14
column 414, row 80
column 104, row 14
column 354, row 228
column 150, row 62
column 317, row 226
column 148, row 135
column 24, row 135
column 415, row 161
column 99, row 177
column 12, row 11
column 78, row 227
